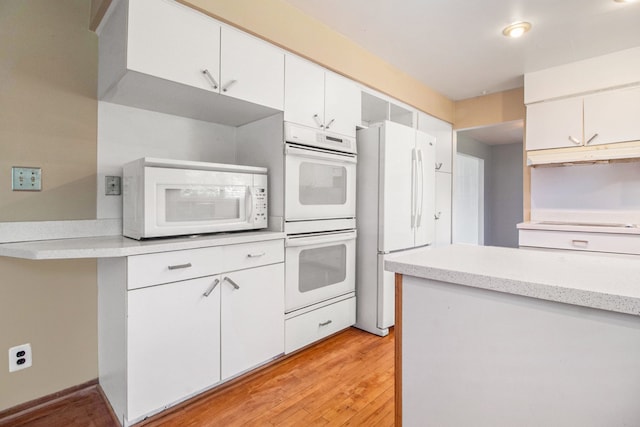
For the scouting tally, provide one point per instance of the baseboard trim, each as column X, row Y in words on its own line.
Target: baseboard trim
column 33, row 405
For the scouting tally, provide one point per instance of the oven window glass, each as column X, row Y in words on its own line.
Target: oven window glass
column 200, row 203
column 322, row 184
column 321, row 267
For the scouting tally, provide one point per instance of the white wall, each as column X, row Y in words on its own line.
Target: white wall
column 506, row 194
column 126, row 133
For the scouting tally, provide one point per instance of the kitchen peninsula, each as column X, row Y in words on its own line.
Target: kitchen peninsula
column 490, row 336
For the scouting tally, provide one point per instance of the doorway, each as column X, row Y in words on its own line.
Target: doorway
column 468, row 200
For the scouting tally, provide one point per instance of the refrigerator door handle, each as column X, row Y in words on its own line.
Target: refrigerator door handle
column 421, row 192
column 413, row 188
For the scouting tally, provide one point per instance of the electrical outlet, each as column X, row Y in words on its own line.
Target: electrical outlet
column 112, row 185
column 20, row 357
column 26, row 179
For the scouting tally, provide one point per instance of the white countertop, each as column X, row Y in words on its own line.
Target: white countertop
column 584, row 228
column 119, row 246
column 605, row 283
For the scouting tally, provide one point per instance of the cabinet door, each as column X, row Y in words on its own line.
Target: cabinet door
column 342, row 105
column 171, row 41
column 425, row 189
column 554, row 124
column 252, row 317
column 173, row 343
column 443, row 209
column 303, row 92
column 612, row 116
column 251, row 70
column 443, row 132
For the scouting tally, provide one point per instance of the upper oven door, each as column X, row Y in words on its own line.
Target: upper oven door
column 319, row 184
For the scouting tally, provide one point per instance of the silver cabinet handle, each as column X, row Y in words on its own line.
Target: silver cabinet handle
column 179, row 266
column 328, row 322
column 591, row 139
column 583, row 243
column 329, row 124
column 228, row 85
column 213, row 286
column 574, row 140
column 437, row 216
column 317, row 120
column 234, row 284
column 438, row 166
column 213, row 81
column 256, row 255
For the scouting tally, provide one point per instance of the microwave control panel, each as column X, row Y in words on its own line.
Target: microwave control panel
column 260, row 205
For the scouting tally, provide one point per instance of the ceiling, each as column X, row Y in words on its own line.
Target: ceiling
column 457, row 48
column 500, row 134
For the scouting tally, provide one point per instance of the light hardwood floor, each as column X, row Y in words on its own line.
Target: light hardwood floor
column 346, row 380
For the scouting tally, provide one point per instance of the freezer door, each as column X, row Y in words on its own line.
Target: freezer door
column 386, row 295
column 425, row 189
column 397, row 169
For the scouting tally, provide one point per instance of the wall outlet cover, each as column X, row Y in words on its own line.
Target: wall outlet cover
column 112, row 185
column 20, row 357
column 26, row 179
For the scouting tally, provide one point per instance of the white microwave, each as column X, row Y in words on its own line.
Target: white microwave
column 172, row 197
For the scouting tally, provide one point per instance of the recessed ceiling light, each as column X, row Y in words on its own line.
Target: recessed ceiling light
column 516, row 29
column 624, row 1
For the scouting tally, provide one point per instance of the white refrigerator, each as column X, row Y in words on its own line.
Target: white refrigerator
column 395, row 206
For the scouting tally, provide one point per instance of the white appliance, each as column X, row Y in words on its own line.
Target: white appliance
column 319, row 267
column 395, row 204
column 164, row 197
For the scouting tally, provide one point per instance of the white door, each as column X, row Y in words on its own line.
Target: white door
column 612, row 116
column 554, row 124
column 173, row 42
column 303, row 92
column 425, row 189
column 319, row 185
column 251, row 69
column 468, row 200
column 342, row 105
column 397, row 168
column 173, row 342
column 252, row 317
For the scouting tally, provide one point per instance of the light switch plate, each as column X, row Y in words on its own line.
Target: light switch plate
column 26, row 179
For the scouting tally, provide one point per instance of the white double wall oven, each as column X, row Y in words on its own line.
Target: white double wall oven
column 319, row 216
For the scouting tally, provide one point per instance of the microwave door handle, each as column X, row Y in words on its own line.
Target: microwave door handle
column 249, row 200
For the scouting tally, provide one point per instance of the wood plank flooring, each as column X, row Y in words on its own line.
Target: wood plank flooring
column 346, row 380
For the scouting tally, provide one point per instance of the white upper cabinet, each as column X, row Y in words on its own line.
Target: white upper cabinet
column 554, row 124
column 320, row 99
column 251, row 69
column 170, row 41
column 612, row 116
column 443, row 132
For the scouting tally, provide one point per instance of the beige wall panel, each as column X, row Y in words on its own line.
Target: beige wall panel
column 48, row 119
column 53, row 306
column 282, row 24
column 490, row 109
column 48, row 108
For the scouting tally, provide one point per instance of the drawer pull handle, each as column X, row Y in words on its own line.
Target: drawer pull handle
column 580, row 242
column 234, row 284
column 179, row 266
column 256, row 255
column 325, row 323
column 208, row 292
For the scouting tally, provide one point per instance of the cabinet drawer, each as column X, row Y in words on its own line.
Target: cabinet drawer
column 580, row 241
column 317, row 324
column 165, row 267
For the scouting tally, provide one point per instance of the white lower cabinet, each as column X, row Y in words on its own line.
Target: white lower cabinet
column 166, row 341
column 304, row 327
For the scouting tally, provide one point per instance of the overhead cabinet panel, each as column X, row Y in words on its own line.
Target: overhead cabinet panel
column 612, row 116
column 304, row 92
column 554, row 124
column 342, row 105
column 170, row 41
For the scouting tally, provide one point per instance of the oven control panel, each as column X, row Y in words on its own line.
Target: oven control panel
column 259, row 205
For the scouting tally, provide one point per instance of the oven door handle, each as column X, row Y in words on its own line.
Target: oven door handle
column 292, row 242
column 317, row 154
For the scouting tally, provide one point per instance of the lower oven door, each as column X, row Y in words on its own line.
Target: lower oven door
column 319, row 267
column 319, row 184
